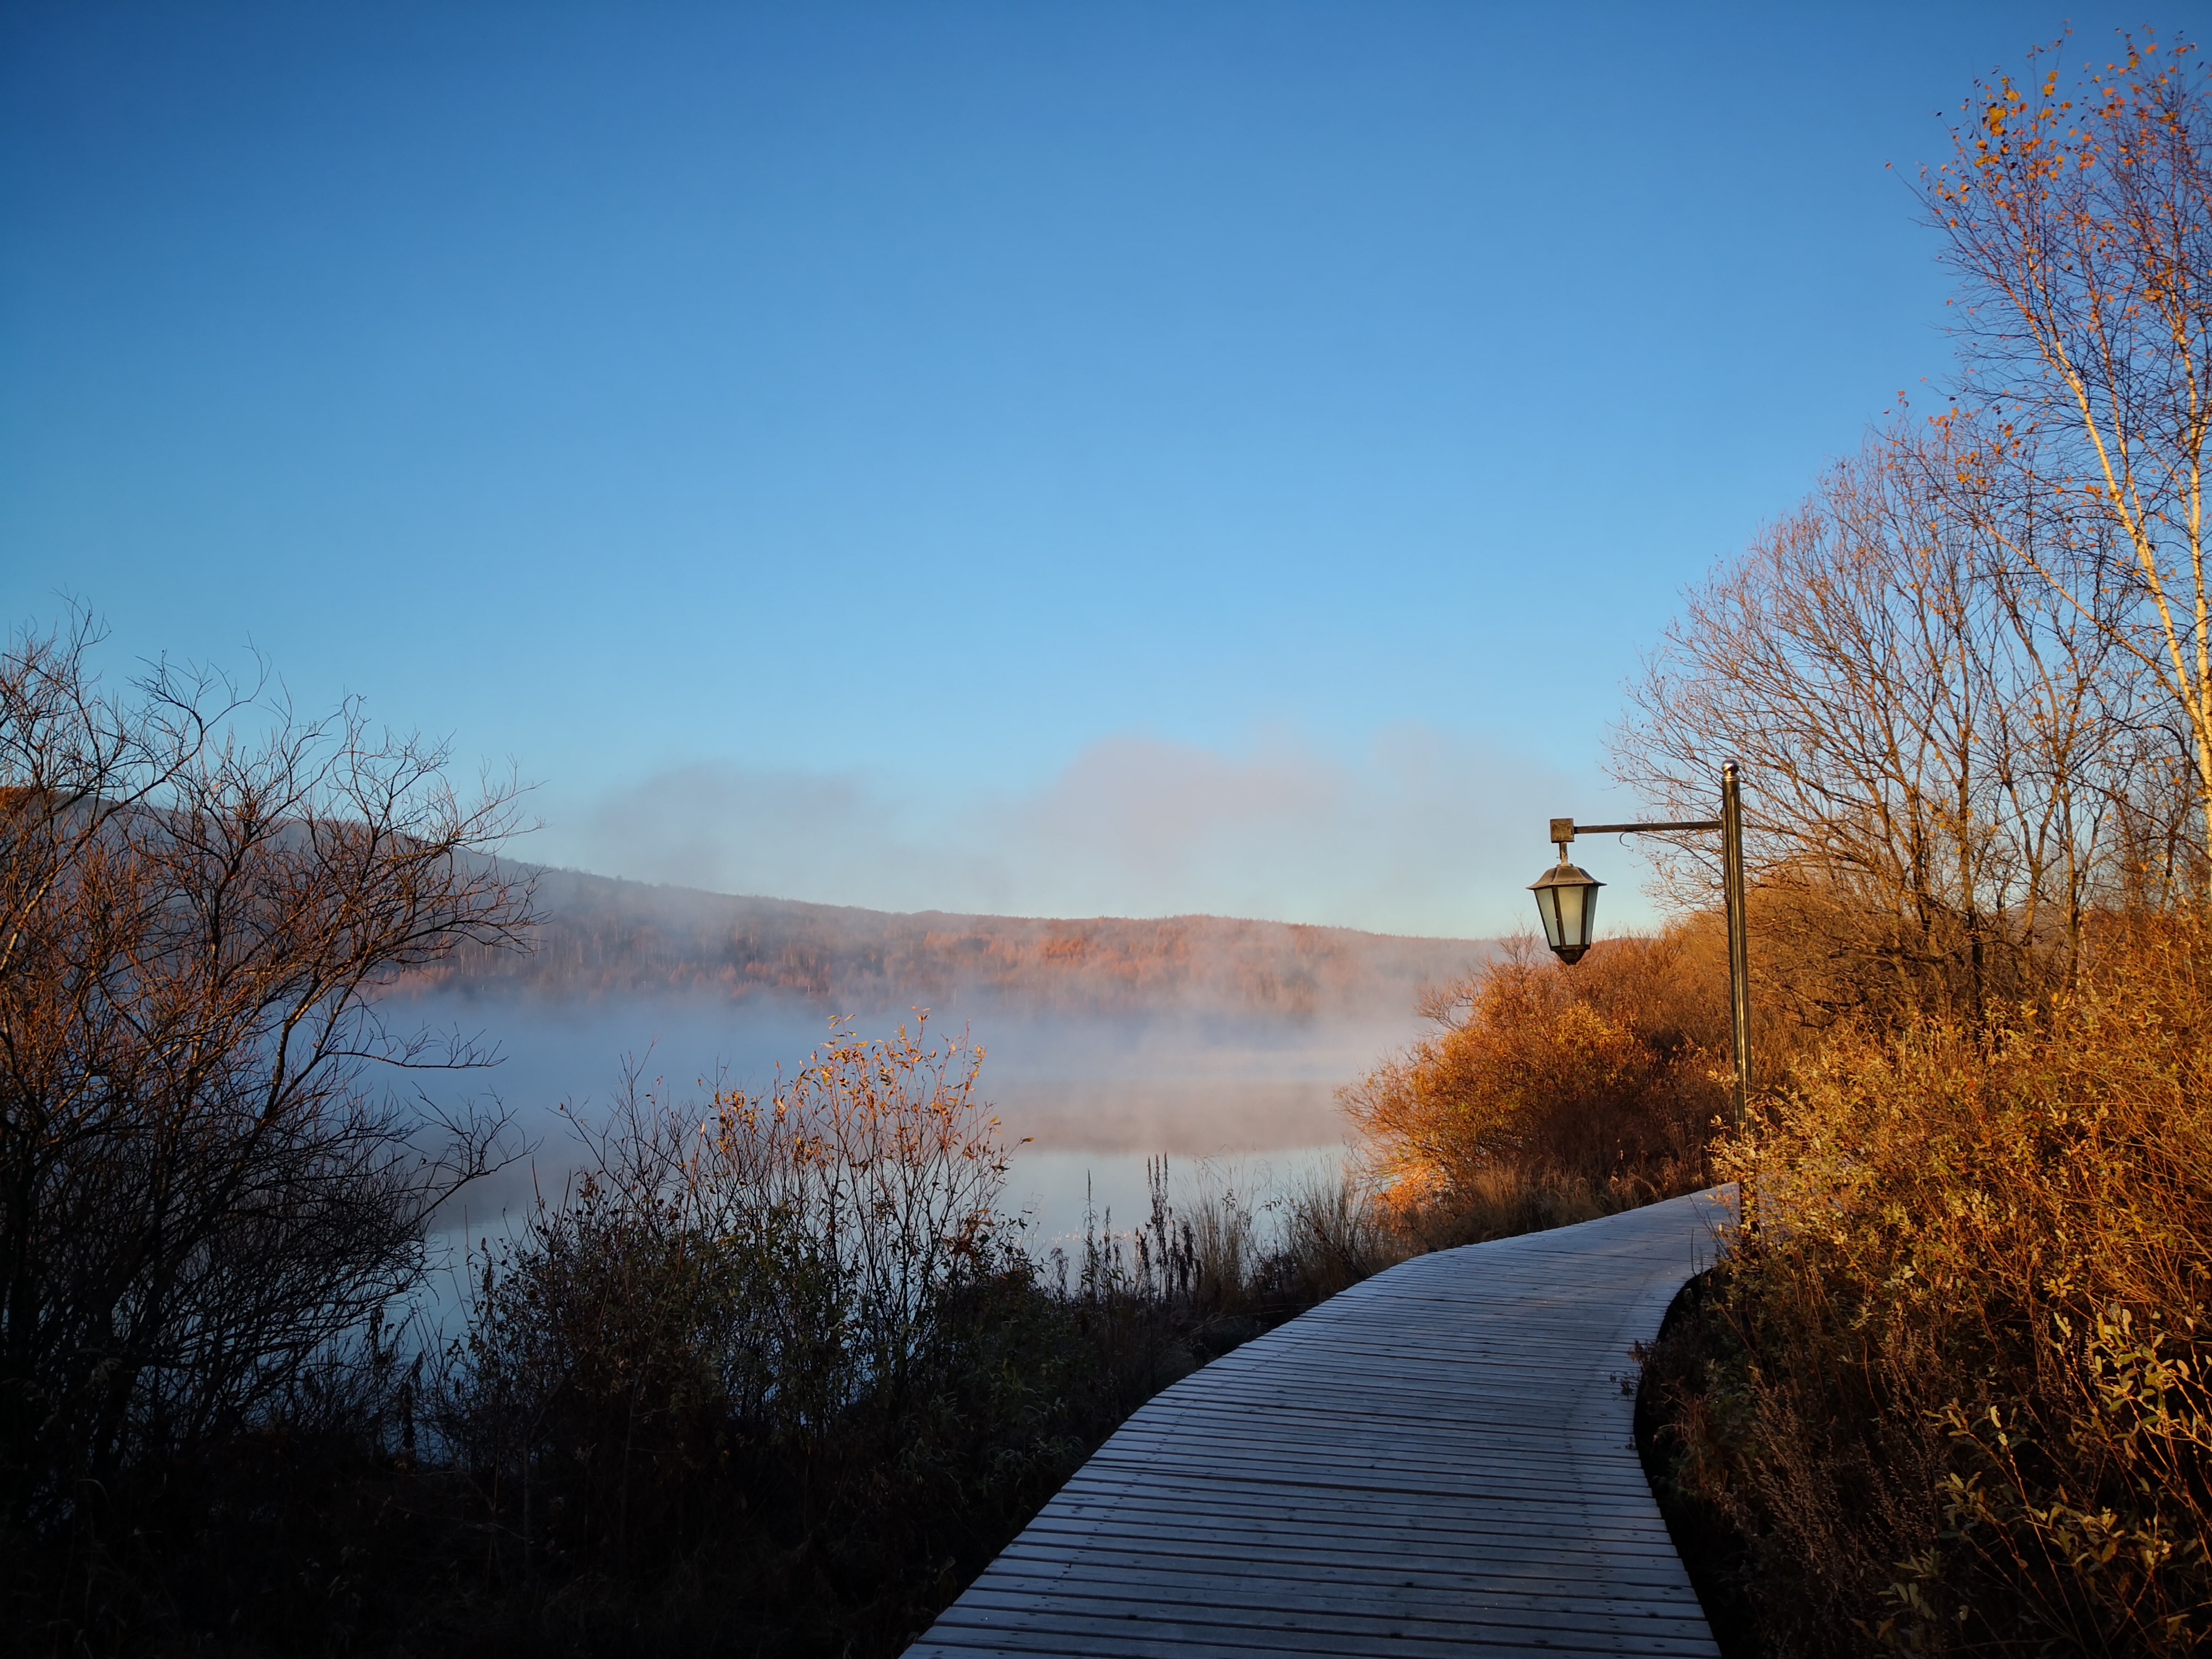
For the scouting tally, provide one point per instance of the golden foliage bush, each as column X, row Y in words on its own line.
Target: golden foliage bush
column 1603, row 1077
column 1955, row 1398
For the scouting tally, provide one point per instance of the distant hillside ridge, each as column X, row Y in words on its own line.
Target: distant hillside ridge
column 602, row 936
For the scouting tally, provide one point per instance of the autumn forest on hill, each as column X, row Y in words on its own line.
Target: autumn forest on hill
column 602, row 938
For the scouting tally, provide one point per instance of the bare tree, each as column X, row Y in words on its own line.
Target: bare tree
column 2081, row 219
column 203, row 1181
column 1944, row 755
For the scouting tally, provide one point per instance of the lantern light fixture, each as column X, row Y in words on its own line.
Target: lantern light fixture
column 1566, row 899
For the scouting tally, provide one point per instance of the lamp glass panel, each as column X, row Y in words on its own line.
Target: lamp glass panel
column 1572, row 901
column 1548, row 907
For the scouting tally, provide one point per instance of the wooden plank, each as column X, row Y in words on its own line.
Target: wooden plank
column 1221, row 1592
column 1176, row 1638
column 1437, row 1459
column 1063, row 1610
column 1215, row 1457
column 1470, row 1535
column 1471, row 1542
column 1242, row 1537
column 1528, row 1475
column 1396, row 1508
column 1176, row 1566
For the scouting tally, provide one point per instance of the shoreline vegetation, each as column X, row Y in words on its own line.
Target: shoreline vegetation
column 770, row 1377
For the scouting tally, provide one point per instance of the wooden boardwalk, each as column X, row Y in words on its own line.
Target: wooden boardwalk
column 1437, row 1461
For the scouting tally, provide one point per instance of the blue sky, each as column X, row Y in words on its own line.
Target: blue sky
column 1046, row 458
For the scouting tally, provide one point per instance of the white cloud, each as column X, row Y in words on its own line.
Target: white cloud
column 1421, row 833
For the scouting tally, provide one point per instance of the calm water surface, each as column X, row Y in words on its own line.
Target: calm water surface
column 1083, row 1103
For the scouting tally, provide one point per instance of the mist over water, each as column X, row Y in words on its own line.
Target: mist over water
column 1083, row 1100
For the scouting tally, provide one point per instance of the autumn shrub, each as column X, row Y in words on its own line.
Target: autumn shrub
column 1952, row 1396
column 1554, row 1090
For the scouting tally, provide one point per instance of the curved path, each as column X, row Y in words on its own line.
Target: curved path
column 1437, row 1461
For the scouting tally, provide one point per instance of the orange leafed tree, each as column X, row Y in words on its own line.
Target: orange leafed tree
column 2079, row 214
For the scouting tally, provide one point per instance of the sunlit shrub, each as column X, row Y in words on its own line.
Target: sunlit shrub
column 1604, row 1076
column 1956, row 1399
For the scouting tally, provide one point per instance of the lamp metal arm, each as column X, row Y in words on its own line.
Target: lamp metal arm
column 1572, row 828
column 1730, row 824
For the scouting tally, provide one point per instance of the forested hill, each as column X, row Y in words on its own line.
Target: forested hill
column 605, row 937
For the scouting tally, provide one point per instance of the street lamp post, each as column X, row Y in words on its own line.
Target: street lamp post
column 1566, row 899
